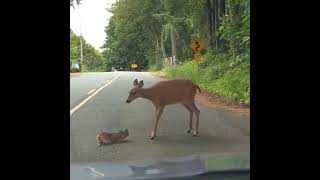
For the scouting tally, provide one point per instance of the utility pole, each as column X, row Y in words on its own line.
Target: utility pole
column 81, row 48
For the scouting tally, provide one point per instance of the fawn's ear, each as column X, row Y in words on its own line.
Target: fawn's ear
column 140, row 85
column 135, row 82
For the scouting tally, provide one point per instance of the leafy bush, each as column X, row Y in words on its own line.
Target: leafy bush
column 220, row 74
column 74, row 70
column 84, row 68
column 235, row 85
column 154, row 67
column 98, row 69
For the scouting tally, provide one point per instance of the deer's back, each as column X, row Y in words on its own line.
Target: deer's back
column 175, row 91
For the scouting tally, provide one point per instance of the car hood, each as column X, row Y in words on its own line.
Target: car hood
column 165, row 168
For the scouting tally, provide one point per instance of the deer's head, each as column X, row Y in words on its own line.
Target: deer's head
column 135, row 92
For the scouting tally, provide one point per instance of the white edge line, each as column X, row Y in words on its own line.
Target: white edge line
column 94, row 172
column 89, row 97
column 91, row 91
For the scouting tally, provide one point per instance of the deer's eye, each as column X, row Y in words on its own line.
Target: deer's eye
column 133, row 93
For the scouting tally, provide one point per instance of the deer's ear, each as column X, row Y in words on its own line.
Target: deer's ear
column 140, row 85
column 135, row 82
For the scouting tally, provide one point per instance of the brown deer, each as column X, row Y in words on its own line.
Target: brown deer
column 168, row 92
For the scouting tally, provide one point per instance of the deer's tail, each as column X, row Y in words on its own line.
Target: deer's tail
column 199, row 89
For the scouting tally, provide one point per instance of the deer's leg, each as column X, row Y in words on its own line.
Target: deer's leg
column 197, row 111
column 191, row 117
column 152, row 132
column 159, row 111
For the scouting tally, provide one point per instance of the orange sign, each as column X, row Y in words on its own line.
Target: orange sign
column 197, row 45
column 197, row 57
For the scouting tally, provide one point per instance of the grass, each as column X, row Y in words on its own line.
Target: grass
column 227, row 77
column 98, row 69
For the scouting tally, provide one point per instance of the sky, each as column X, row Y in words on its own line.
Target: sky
column 91, row 17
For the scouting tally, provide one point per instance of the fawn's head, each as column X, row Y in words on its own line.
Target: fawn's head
column 124, row 133
column 135, row 92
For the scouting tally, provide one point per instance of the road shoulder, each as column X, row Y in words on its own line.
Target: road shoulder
column 74, row 74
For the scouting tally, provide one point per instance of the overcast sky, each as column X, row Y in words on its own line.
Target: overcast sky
column 92, row 17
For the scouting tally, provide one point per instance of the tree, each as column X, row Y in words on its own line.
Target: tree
column 210, row 24
column 74, row 48
column 146, row 31
column 72, row 3
column 92, row 59
column 128, row 39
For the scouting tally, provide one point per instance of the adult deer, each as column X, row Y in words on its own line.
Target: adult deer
column 168, row 92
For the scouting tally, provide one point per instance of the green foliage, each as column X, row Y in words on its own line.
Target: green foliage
column 218, row 74
column 187, row 70
column 126, row 41
column 92, row 59
column 73, row 3
column 139, row 32
column 99, row 69
column 74, row 48
column 84, row 68
column 74, row 70
column 154, row 60
column 235, row 28
column 137, row 28
column 233, row 85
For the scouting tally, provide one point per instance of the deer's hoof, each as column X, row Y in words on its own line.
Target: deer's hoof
column 153, row 135
column 189, row 131
column 196, row 133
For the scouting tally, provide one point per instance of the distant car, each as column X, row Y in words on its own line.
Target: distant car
column 116, row 68
column 75, row 67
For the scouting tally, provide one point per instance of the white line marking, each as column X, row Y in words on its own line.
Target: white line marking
column 94, row 172
column 91, row 91
column 93, row 94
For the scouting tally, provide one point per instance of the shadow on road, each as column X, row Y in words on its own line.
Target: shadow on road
column 202, row 139
column 120, row 142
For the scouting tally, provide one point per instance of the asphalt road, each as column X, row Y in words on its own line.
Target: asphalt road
column 220, row 131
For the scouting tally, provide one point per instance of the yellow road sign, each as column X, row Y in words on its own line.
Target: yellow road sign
column 197, row 45
column 197, row 57
column 134, row 65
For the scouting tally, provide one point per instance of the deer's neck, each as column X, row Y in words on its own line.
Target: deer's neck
column 147, row 94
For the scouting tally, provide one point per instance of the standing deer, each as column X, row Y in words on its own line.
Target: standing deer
column 165, row 93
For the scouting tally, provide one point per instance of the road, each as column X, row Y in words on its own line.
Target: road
column 221, row 131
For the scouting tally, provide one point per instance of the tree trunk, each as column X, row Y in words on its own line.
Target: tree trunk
column 216, row 23
column 222, row 8
column 173, row 46
column 213, row 23
column 163, row 50
column 210, row 24
column 222, row 12
column 157, row 44
column 154, row 33
column 217, row 15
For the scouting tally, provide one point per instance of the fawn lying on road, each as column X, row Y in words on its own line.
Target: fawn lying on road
column 110, row 138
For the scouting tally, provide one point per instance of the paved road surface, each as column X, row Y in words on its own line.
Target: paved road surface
column 220, row 131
